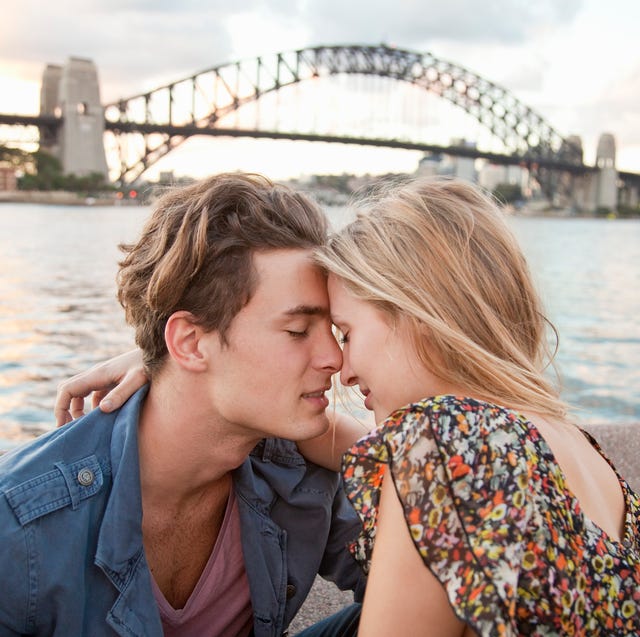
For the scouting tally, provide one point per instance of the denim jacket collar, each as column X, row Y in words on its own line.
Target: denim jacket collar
column 120, row 552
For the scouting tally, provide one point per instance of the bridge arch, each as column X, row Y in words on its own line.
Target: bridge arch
column 208, row 96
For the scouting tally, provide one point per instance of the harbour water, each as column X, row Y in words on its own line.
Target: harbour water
column 59, row 315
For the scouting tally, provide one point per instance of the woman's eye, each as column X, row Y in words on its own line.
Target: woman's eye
column 344, row 338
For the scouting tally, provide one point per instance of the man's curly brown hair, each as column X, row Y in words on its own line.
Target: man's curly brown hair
column 195, row 253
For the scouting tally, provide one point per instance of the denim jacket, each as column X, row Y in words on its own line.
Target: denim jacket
column 71, row 555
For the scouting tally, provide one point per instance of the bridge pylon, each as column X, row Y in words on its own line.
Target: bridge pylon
column 72, row 92
column 607, row 188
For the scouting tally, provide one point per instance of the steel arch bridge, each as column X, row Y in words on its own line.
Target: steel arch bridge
column 166, row 116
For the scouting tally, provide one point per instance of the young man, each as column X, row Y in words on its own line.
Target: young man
column 186, row 512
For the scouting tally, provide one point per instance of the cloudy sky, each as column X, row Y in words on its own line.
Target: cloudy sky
column 576, row 62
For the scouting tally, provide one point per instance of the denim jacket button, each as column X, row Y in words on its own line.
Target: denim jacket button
column 291, row 591
column 85, row 477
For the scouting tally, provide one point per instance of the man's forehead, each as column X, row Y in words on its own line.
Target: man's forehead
column 288, row 268
column 289, row 284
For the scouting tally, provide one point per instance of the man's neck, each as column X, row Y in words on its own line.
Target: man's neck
column 184, row 449
column 186, row 459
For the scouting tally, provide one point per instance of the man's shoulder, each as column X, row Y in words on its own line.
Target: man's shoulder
column 58, row 469
column 90, row 432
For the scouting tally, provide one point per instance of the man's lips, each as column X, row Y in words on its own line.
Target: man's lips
column 318, row 393
column 318, row 397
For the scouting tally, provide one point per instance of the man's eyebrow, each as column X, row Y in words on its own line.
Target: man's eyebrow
column 307, row 310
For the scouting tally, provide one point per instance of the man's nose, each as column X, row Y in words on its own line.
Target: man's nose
column 329, row 354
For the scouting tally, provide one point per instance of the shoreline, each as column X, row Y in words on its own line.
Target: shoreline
column 62, row 198
column 67, row 198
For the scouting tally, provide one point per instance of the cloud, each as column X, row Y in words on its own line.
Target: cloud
column 127, row 40
column 164, row 40
column 618, row 106
column 415, row 23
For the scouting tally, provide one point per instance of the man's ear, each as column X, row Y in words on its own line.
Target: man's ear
column 183, row 338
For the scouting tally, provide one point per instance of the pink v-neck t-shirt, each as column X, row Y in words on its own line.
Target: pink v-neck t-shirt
column 220, row 604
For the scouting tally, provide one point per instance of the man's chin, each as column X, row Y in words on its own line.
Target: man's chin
column 315, row 428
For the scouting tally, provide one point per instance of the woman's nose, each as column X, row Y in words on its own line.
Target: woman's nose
column 347, row 377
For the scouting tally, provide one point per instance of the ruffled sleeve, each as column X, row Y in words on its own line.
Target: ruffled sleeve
column 460, row 469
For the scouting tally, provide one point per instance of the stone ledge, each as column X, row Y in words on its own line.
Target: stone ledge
column 621, row 443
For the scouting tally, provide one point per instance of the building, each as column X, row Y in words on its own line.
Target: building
column 445, row 165
column 493, row 175
column 8, row 178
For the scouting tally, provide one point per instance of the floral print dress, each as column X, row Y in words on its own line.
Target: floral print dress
column 490, row 513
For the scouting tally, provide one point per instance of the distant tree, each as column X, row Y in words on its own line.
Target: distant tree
column 43, row 171
column 14, row 156
column 95, row 182
column 507, row 193
column 629, row 211
column 48, row 171
column 340, row 183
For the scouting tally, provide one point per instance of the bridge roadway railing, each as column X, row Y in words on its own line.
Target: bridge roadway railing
column 189, row 130
column 52, row 123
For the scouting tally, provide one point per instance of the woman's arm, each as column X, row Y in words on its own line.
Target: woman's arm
column 403, row 597
column 326, row 450
column 110, row 384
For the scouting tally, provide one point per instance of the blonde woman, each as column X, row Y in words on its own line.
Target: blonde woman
column 491, row 512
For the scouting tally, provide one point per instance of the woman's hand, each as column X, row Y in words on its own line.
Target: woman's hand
column 111, row 383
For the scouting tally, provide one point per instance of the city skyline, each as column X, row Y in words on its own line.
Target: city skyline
column 568, row 61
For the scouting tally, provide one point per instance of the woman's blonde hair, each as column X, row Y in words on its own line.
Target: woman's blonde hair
column 437, row 256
